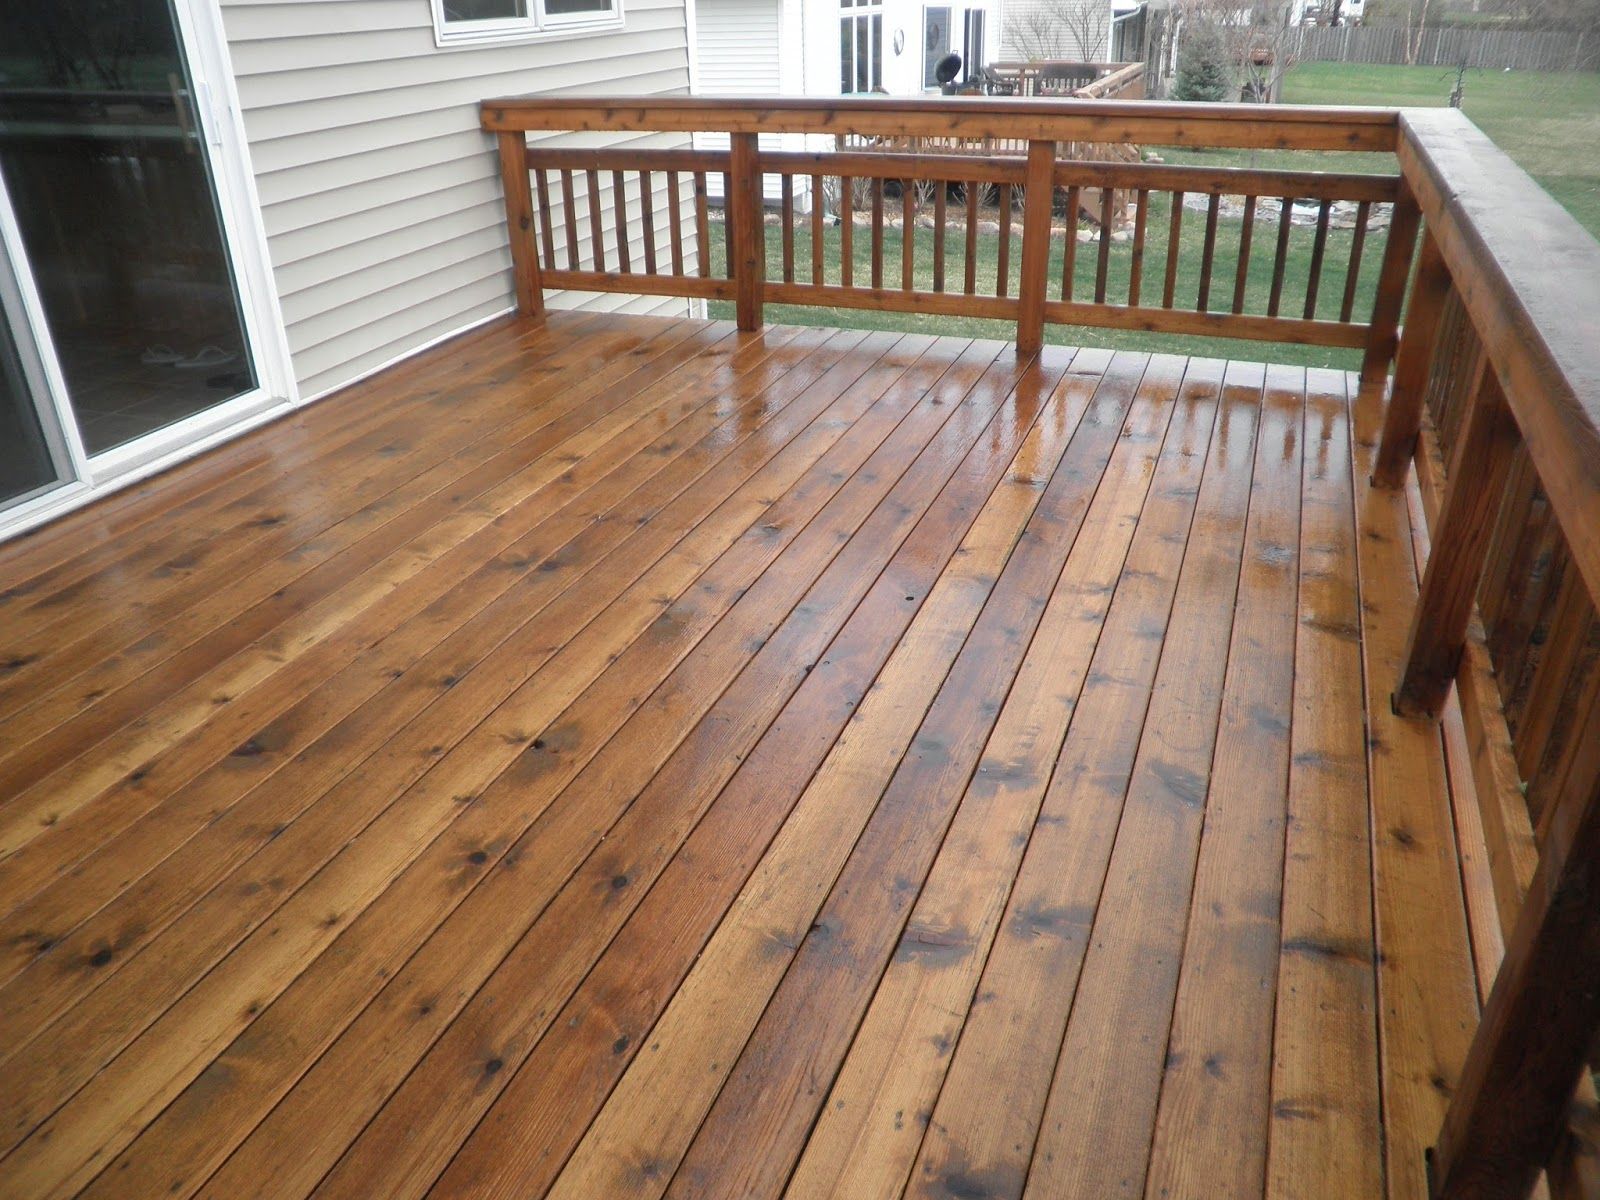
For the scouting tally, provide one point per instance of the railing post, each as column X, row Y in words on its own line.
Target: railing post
column 1404, row 221
column 1474, row 490
column 1510, row 1106
column 748, row 262
column 1038, row 201
column 1418, row 339
column 519, row 223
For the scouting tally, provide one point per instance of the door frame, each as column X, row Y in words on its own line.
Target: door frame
column 215, row 103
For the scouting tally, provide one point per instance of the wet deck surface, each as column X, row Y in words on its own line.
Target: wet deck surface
column 631, row 758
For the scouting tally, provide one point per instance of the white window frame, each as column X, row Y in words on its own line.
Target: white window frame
column 538, row 25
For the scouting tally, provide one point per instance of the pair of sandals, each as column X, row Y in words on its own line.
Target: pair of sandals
column 162, row 355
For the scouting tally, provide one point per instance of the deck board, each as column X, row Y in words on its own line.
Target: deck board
column 623, row 757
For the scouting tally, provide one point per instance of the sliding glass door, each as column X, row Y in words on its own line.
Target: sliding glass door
column 112, row 153
column 27, row 465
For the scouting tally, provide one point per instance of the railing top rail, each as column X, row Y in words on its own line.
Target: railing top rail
column 1156, row 123
column 1529, row 276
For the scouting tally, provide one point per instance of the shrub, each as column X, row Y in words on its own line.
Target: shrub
column 1205, row 71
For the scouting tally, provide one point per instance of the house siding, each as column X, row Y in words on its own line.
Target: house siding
column 1019, row 15
column 379, row 193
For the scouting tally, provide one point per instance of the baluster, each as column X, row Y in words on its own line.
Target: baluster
column 702, row 224
column 877, row 232
column 728, row 220
column 1169, row 286
column 519, row 223
column 1479, row 468
column 1038, row 197
column 1566, row 637
column 908, row 227
column 1404, row 415
column 1102, row 270
column 970, row 265
column 786, row 182
column 570, row 203
column 1003, row 267
column 939, row 204
column 816, row 229
column 597, row 243
column 619, row 190
column 1319, row 246
column 1141, row 213
column 1069, row 254
column 847, row 232
column 1208, row 253
column 747, row 257
column 1509, row 1107
column 1241, row 278
column 647, row 217
column 1358, row 241
column 675, row 221
column 1280, row 259
column 546, row 227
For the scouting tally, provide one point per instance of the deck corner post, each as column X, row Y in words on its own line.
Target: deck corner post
column 1383, row 332
column 1418, row 340
column 1475, row 487
column 748, row 262
column 1037, row 204
column 513, row 148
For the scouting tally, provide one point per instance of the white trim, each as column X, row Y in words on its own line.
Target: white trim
column 691, row 26
column 48, row 389
column 411, row 353
column 203, row 44
column 537, row 26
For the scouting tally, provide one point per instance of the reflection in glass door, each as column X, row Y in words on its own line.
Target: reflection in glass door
column 108, row 166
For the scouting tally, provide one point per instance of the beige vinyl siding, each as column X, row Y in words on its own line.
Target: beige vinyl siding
column 379, row 193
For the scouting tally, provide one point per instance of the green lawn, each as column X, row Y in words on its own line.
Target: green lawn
column 1330, row 292
column 1548, row 122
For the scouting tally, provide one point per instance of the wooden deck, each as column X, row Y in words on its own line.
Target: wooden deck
column 632, row 758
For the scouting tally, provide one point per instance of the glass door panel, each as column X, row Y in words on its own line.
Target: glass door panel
column 26, row 465
column 109, row 170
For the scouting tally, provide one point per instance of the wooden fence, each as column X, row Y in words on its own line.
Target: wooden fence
column 1496, row 49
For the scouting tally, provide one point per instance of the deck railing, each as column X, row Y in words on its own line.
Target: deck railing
column 1498, row 367
column 1501, row 359
column 1278, row 281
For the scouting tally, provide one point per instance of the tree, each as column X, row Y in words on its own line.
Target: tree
column 1061, row 29
column 1258, row 42
column 1205, row 68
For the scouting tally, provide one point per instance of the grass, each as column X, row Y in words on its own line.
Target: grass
column 1549, row 123
column 1330, row 292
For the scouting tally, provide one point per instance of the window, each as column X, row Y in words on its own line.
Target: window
column 935, row 43
column 860, row 46
column 467, row 21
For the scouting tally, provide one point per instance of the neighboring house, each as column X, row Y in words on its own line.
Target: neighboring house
column 214, row 212
column 836, row 47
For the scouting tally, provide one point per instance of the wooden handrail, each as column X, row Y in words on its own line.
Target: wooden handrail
column 1101, row 192
column 1153, row 123
column 1517, row 282
column 1529, row 276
